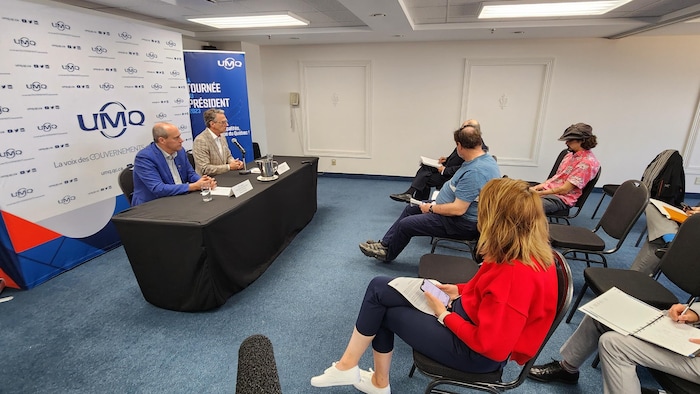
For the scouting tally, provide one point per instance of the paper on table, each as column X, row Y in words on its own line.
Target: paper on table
column 222, row 191
column 410, row 289
column 255, row 170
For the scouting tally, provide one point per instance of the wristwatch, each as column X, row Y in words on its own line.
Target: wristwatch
column 430, row 209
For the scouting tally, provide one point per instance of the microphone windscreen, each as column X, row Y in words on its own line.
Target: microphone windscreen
column 257, row 369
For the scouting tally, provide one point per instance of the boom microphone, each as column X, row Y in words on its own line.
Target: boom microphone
column 240, row 148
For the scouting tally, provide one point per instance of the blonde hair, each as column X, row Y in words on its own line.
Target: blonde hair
column 512, row 224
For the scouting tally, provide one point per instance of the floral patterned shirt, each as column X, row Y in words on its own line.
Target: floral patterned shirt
column 578, row 168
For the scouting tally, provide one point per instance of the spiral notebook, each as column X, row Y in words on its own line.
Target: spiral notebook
column 630, row 316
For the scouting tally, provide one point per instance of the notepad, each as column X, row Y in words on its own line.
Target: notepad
column 429, row 162
column 669, row 211
column 630, row 316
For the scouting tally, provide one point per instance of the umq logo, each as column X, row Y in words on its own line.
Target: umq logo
column 182, row 127
column 124, row 35
column 22, row 192
column 4, row 109
column 157, row 86
column 161, row 116
column 60, row 25
column 36, row 86
column 151, row 55
column 47, row 127
column 11, row 153
column 131, row 70
column 70, row 67
column 99, row 49
column 170, row 43
column 67, row 199
column 25, row 42
column 175, row 73
column 112, row 120
column 179, row 100
column 229, row 63
column 106, row 86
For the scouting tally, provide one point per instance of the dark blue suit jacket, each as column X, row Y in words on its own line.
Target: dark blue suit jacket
column 152, row 177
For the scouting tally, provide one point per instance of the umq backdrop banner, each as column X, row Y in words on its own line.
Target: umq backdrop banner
column 79, row 96
column 217, row 79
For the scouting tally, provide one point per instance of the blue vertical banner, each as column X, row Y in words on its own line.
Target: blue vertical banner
column 217, row 79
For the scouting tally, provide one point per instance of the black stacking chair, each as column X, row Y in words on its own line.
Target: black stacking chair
column 493, row 382
column 679, row 264
column 447, row 269
column 674, row 384
column 623, row 211
column 608, row 190
column 190, row 157
column 469, row 245
column 126, row 182
column 565, row 214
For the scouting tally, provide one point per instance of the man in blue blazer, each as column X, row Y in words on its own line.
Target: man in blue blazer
column 161, row 169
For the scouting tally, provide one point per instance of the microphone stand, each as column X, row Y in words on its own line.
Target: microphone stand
column 244, row 164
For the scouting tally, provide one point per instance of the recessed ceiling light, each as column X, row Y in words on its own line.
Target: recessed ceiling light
column 534, row 10
column 377, row 14
column 253, row 20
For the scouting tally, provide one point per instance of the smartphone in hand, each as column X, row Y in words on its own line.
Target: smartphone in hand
column 429, row 287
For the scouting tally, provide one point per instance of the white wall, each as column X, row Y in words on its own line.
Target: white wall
column 640, row 94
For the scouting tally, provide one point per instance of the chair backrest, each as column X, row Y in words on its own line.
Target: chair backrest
column 587, row 190
column 126, row 182
column 555, row 167
column 625, row 207
column 190, row 157
column 680, row 263
column 565, row 294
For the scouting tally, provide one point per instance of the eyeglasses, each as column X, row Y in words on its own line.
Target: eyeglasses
column 221, row 121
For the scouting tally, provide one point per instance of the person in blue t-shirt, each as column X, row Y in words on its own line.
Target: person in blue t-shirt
column 453, row 213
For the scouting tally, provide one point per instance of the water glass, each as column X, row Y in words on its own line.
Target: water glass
column 206, row 193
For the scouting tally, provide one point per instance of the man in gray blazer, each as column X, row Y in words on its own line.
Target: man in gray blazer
column 211, row 153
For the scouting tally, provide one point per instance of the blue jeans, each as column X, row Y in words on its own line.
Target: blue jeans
column 413, row 222
column 386, row 312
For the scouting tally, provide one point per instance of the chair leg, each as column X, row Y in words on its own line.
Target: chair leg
column 644, row 232
column 578, row 301
column 596, row 361
column 413, row 369
column 598, row 206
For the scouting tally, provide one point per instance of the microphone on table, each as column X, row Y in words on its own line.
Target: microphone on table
column 240, row 148
column 257, row 370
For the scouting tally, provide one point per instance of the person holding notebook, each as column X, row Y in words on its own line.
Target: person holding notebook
column 428, row 177
column 619, row 355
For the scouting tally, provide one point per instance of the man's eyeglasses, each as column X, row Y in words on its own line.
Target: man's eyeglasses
column 221, row 121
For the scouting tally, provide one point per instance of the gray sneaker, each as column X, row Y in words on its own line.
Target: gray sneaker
column 375, row 250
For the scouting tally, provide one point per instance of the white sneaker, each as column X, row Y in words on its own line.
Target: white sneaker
column 332, row 376
column 366, row 386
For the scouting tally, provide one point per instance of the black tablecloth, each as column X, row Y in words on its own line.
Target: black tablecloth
column 191, row 255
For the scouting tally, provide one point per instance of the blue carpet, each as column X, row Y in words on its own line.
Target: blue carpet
column 89, row 330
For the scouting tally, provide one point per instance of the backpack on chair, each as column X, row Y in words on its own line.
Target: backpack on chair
column 665, row 178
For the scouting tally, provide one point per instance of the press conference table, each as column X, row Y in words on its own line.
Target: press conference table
column 191, row 255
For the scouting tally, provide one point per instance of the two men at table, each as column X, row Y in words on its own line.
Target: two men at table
column 212, row 155
column 161, row 169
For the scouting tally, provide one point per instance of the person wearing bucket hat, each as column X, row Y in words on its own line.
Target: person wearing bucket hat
column 577, row 168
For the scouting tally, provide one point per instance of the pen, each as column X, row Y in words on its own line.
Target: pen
column 687, row 306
